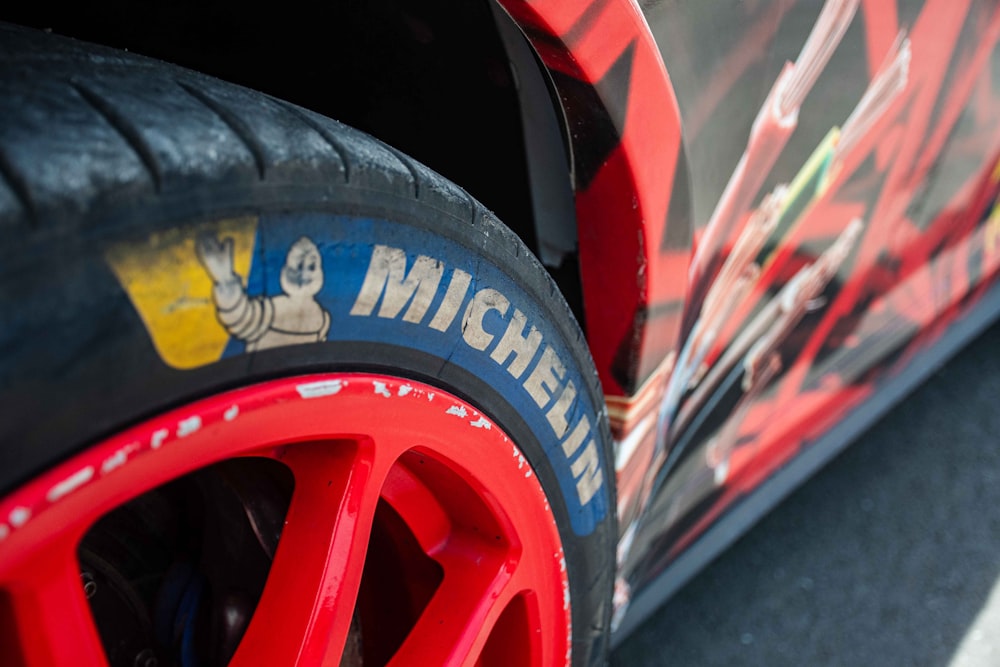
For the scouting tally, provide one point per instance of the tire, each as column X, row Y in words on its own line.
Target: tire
column 176, row 248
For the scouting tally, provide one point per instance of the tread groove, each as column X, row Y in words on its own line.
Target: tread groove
column 323, row 133
column 239, row 128
column 474, row 213
column 19, row 186
column 409, row 167
column 125, row 128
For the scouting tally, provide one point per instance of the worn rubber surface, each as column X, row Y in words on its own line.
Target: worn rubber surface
column 103, row 154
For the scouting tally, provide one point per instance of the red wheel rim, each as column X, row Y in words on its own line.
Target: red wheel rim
column 461, row 487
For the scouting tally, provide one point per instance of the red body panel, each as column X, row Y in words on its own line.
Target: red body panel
column 871, row 127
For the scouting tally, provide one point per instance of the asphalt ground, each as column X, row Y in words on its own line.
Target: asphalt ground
column 889, row 556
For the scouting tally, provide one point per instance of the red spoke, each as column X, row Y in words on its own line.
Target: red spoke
column 304, row 614
column 417, row 506
column 455, row 625
column 53, row 619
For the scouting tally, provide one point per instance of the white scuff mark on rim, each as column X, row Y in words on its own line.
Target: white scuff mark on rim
column 319, row 389
column 186, row 427
column 158, row 438
column 381, row 389
column 119, row 458
column 70, row 484
column 457, row 410
column 404, row 390
column 527, row 473
column 19, row 516
column 520, row 461
column 482, row 422
column 116, row 460
column 232, row 413
column 430, row 396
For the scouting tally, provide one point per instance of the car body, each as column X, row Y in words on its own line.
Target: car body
column 773, row 219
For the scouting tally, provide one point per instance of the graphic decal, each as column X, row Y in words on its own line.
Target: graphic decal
column 844, row 249
column 253, row 286
column 262, row 322
column 770, row 133
column 590, row 118
column 174, row 295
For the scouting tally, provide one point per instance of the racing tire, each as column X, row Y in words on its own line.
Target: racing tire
column 220, row 308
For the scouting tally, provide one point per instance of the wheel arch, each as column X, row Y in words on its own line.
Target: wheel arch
column 604, row 96
column 629, row 177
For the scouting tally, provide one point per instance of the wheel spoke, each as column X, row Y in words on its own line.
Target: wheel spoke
column 455, row 625
column 54, row 624
column 418, row 507
column 304, row 614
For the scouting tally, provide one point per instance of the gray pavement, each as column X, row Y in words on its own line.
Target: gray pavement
column 889, row 556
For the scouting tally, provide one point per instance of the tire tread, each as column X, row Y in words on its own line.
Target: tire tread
column 329, row 137
column 234, row 122
column 125, row 129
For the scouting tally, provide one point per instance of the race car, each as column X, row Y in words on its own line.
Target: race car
column 396, row 333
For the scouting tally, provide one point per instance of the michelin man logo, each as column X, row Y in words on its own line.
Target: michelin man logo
column 263, row 322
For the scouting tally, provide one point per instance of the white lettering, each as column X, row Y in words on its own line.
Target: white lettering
column 387, row 279
column 514, row 342
column 588, row 474
column 576, row 438
column 545, row 377
column 472, row 324
column 557, row 413
column 452, row 301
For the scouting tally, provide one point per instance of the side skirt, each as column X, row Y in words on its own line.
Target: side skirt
column 747, row 513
